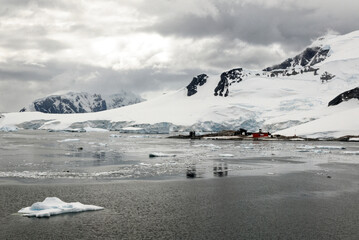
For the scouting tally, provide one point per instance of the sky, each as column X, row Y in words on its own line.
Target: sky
column 150, row 47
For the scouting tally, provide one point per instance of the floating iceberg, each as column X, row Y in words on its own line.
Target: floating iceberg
column 55, row 206
column 69, row 140
column 307, row 147
column 212, row 146
column 329, row 147
column 115, row 136
column 157, row 154
column 351, row 152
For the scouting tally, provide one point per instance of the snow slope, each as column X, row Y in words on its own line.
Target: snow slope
column 295, row 100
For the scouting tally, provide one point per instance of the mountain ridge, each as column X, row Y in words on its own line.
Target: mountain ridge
column 285, row 102
column 81, row 102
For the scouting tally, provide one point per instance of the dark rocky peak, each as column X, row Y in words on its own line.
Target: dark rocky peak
column 309, row 57
column 320, row 56
column 196, row 82
column 227, row 79
column 345, row 96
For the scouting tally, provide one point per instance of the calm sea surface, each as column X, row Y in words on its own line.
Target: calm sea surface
column 200, row 189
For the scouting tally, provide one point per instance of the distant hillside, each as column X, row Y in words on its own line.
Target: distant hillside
column 82, row 102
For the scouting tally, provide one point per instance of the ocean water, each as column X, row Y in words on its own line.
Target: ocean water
column 198, row 189
column 112, row 156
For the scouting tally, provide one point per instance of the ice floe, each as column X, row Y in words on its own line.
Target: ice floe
column 115, row 136
column 139, row 136
column 55, row 206
column 69, row 140
column 211, row 146
column 351, row 152
column 354, row 139
column 307, row 147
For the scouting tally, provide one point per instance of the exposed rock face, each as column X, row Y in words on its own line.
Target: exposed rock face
column 196, row 82
column 308, row 57
column 81, row 102
column 228, row 78
column 326, row 76
column 345, row 96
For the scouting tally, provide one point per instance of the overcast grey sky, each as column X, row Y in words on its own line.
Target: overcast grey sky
column 149, row 46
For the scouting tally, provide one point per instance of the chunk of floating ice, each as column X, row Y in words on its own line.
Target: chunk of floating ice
column 226, row 155
column 354, row 139
column 306, row 147
column 329, row 147
column 320, row 147
column 115, row 136
column 69, row 140
column 55, row 206
column 207, row 145
column 139, row 136
column 145, row 164
column 158, row 154
column 351, row 152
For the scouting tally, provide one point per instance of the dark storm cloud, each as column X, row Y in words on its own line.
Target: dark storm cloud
column 263, row 28
column 257, row 24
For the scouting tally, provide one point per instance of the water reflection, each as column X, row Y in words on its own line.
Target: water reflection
column 100, row 156
column 191, row 171
column 220, row 169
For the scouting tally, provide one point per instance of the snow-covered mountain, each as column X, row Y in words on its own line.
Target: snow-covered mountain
column 83, row 102
column 290, row 98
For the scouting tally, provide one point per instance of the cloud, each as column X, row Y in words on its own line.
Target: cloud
column 261, row 24
column 146, row 46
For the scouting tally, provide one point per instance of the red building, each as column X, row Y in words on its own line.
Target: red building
column 260, row 134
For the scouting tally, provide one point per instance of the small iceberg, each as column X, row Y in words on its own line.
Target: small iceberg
column 330, row 147
column 115, row 136
column 54, row 206
column 69, row 140
column 158, row 154
column 351, row 152
column 307, row 147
